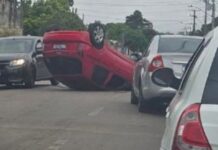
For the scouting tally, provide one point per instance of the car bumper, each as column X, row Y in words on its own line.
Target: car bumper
column 153, row 91
column 12, row 75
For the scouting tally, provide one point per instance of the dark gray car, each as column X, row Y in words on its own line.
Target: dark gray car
column 21, row 61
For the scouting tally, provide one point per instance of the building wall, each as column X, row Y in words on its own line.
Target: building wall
column 4, row 13
column 9, row 18
column 9, row 14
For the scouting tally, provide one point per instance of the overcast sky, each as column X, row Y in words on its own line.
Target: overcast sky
column 166, row 15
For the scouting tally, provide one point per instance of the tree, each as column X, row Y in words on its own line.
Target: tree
column 136, row 21
column 133, row 39
column 47, row 15
column 135, row 33
column 71, row 3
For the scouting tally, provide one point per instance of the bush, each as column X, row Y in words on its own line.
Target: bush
column 10, row 32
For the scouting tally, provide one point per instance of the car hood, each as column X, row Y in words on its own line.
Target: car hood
column 9, row 57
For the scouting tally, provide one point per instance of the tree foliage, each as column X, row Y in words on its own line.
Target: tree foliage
column 136, row 21
column 133, row 34
column 45, row 15
column 131, row 38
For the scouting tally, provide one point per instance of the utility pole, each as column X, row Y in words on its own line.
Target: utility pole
column 15, row 14
column 213, row 13
column 83, row 18
column 194, row 21
column 205, row 15
column 21, row 14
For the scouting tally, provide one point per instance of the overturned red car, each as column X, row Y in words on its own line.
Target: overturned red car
column 82, row 60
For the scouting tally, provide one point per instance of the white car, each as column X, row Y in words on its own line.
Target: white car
column 172, row 51
column 192, row 117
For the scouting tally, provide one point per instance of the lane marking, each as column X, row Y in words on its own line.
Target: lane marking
column 96, row 112
column 57, row 145
column 54, row 147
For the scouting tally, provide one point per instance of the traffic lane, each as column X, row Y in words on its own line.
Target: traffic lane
column 56, row 118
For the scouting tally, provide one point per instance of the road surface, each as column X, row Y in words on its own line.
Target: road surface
column 55, row 118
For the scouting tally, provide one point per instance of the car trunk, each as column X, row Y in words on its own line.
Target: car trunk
column 209, row 121
column 176, row 61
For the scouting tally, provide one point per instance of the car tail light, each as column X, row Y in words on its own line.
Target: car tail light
column 156, row 63
column 190, row 134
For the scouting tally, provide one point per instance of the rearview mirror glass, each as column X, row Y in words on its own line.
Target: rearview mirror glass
column 165, row 77
column 136, row 56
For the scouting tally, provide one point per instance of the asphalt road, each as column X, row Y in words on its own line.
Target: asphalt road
column 55, row 118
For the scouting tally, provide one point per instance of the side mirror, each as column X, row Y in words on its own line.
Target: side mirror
column 165, row 77
column 39, row 48
column 136, row 56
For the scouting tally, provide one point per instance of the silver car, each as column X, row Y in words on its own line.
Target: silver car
column 172, row 51
column 191, row 119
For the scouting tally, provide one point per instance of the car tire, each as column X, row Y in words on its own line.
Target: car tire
column 54, row 82
column 97, row 34
column 134, row 99
column 143, row 105
column 30, row 80
column 9, row 85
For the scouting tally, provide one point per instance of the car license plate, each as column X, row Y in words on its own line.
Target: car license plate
column 59, row 46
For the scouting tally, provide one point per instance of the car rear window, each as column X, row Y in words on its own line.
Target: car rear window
column 210, row 95
column 178, row 45
column 189, row 68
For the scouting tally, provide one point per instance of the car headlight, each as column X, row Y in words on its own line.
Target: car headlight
column 18, row 62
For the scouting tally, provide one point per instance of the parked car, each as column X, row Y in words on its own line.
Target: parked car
column 21, row 61
column 192, row 115
column 173, row 51
column 82, row 60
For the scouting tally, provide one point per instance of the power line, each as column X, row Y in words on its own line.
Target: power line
column 133, row 5
column 122, row 12
column 156, row 20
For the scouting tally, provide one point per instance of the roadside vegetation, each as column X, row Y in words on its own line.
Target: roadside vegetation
column 41, row 16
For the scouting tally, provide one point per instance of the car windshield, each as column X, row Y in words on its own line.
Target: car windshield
column 15, row 45
column 178, row 45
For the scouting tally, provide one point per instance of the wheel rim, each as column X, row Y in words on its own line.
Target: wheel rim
column 99, row 34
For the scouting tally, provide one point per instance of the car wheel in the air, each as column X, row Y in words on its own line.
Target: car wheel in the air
column 97, row 34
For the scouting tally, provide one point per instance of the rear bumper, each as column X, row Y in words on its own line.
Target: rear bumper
column 151, row 91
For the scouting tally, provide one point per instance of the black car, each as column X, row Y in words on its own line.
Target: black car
column 21, row 61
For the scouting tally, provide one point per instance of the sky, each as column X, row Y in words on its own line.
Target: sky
column 166, row 15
